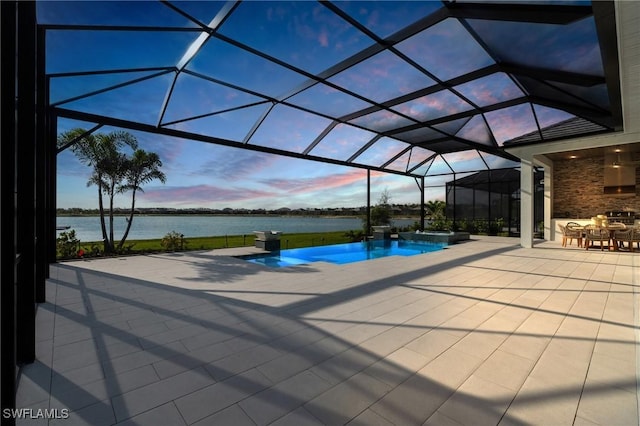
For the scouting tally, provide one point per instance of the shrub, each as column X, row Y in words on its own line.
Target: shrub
column 440, row 224
column 95, row 250
column 481, row 226
column 173, row 241
column 67, row 244
column 496, row 226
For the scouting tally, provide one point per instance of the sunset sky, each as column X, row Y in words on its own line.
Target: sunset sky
column 185, row 80
column 212, row 176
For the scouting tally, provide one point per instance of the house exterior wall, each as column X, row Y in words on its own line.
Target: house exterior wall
column 578, row 190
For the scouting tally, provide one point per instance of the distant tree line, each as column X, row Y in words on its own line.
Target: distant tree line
column 407, row 210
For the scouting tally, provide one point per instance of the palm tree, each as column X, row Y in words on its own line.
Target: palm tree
column 102, row 153
column 113, row 169
column 435, row 208
column 85, row 147
column 141, row 168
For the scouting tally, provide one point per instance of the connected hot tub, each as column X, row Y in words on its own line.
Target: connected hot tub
column 434, row 236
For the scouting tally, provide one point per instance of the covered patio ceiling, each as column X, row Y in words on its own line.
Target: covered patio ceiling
column 414, row 88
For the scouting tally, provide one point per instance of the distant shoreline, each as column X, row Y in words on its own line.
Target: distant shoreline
column 233, row 215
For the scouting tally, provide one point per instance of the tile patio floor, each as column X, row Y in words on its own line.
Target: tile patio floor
column 481, row 333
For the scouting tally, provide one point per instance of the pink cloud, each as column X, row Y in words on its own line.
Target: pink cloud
column 231, row 164
column 200, row 194
column 299, row 186
column 432, row 106
column 461, row 156
column 511, row 122
column 486, row 97
column 418, row 156
column 379, row 71
column 323, row 38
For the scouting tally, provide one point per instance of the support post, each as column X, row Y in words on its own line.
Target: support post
column 489, row 198
column 42, row 152
column 422, row 212
column 549, row 232
column 368, row 202
column 548, row 203
column 52, row 169
column 455, row 187
column 526, row 203
column 8, row 231
column 26, row 181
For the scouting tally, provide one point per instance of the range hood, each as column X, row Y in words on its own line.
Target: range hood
column 619, row 174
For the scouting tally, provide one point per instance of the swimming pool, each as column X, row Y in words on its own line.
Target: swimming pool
column 344, row 253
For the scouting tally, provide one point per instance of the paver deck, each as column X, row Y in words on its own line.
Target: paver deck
column 482, row 333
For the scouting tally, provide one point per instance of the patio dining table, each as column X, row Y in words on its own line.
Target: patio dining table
column 611, row 228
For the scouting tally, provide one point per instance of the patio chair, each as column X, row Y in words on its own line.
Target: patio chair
column 569, row 234
column 620, row 236
column 630, row 236
column 594, row 233
column 635, row 238
column 575, row 230
column 616, row 225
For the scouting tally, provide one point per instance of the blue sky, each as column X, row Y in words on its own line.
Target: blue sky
column 224, row 91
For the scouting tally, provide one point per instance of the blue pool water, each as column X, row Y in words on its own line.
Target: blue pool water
column 344, row 253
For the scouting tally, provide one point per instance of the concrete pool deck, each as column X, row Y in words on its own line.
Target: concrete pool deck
column 484, row 332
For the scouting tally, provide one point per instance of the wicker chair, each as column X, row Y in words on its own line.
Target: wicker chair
column 569, row 234
column 630, row 236
column 635, row 238
column 575, row 230
column 621, row 236
column 593, row 233
column 616, row 225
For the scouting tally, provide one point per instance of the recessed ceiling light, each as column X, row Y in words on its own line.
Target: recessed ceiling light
column 573, row 156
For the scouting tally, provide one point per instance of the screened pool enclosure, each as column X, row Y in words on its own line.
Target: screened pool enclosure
column 414, row 88
column 418, row 89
